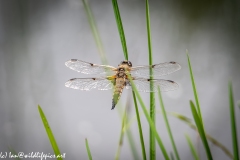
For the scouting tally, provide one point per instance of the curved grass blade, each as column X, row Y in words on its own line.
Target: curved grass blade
column 120, row 28
column 152, row 145
column 233, row 123
column 209, row 137
column 201, row 130
column 50, row 134
column 151, row 123
column 88, row 149
column 193, row 150
column 167, row 124
column 194, row 88
column 121, row 135
column 95, row 32
column 126, row 129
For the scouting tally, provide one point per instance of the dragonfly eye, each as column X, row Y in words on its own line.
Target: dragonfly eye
column 129, row 64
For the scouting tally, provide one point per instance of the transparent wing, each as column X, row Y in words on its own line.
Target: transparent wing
column 89, row 83
column 143, row 85
column 88, row 68
column 158, row 69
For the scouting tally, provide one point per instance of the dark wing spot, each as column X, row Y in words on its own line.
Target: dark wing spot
column 170, row 81
column 74, row 60
column 148, row 79
column 72, row 79
column 91, row 64
column 153, row 66
column 172, row 62
column 94, row 79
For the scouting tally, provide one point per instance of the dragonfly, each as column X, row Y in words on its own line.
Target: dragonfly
column 119, row 79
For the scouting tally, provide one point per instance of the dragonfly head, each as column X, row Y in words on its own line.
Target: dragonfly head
column 126, row 63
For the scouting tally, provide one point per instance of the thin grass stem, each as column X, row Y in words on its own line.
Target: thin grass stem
column 151, row 123
column 192, row 148
column 121, row 135
column 167, row 124
column 139, row 127
column 88, row 150
column 120, row 28
column 152, row 145
column 194, row 88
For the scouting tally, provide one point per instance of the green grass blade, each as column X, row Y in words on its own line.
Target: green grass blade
column 193, row 150
column 121, row 136
column 120, row 28
column 127, row 129
column 201, row 130
column 50, row 134
column 167, row 124
column 152, row 97
column 88, row 150
column 129, row 133
column 194, row 88
column 209, row 137
column 233, row 123
column 151, row 123
column 95, row 32
column 139, row 127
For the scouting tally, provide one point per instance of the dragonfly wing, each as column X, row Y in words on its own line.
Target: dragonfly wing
column 90, row 83
column 88, row 68
column 143, row 85
column 158, row 69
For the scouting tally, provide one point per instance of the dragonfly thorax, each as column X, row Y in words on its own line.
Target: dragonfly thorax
column 121, row 72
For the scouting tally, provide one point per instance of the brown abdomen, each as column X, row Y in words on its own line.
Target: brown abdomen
column 118, row 88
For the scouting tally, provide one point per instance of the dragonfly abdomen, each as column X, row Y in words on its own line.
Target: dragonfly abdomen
column 118, row 88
